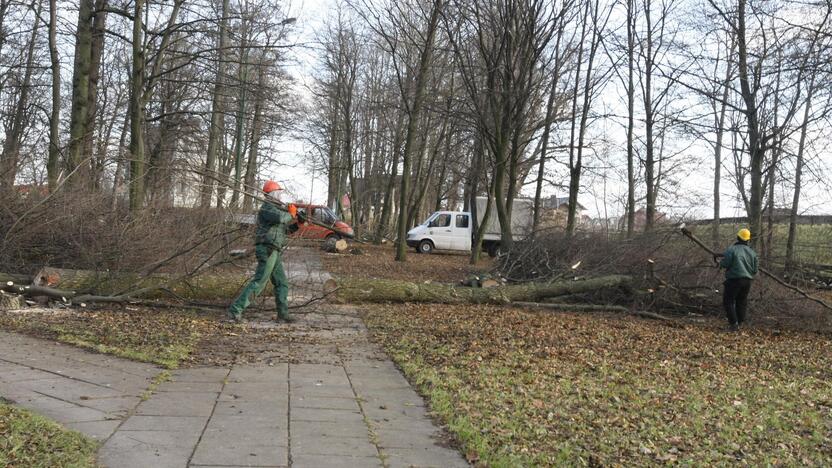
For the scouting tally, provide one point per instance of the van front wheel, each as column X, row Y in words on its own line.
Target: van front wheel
column 425, row 247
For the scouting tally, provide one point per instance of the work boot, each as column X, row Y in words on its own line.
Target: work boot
column 232, row 318
column 287, row 319
column 734, row 327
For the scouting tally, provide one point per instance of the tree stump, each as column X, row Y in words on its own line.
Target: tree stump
column 11, row 301
column 333, row 245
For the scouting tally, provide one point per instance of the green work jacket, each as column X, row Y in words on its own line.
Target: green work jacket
column 740, row 261
column 272, row 226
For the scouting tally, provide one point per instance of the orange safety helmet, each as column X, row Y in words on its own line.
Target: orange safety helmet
column 270, row 186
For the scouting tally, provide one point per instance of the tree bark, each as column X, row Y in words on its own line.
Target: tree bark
column 356, row 290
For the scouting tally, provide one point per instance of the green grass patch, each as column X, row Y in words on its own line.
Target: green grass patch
column 160, row 337
column 523, row 388
column 29, row 440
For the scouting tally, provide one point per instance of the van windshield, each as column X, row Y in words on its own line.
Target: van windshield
column 430, row 218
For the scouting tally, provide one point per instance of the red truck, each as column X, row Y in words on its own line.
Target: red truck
column 323, row 215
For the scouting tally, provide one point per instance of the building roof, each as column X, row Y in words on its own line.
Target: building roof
column 554, row 202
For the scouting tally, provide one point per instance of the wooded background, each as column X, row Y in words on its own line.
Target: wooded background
column 417, row 105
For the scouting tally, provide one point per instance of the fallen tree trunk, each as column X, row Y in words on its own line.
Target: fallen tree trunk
column 14, row 278
column 355, row 290
column 118, row 286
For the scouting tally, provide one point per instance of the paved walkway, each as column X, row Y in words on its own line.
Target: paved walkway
column 341, row 403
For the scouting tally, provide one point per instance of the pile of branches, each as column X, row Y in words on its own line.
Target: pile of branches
column 671, row 274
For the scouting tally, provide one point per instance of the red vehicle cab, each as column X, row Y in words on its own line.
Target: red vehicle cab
column 323, row 215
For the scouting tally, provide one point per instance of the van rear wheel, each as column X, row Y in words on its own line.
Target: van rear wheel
column 425, row 247
column 493, row 249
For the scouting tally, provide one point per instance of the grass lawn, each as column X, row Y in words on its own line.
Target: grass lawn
column 28, row 440
column 527, row 388
column 160, row 336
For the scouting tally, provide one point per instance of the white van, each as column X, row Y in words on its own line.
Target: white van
column 452, row 230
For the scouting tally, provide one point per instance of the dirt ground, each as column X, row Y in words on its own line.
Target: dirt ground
column 378, row 262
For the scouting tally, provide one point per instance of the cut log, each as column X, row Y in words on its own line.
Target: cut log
column 355, row 290
column 333, row 245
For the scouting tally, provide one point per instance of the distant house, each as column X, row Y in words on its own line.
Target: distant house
column 555, row 212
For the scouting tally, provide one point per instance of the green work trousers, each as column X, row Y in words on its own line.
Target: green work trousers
column 269, row 266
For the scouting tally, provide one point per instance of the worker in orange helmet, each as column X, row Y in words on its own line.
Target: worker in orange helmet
column 273, row 225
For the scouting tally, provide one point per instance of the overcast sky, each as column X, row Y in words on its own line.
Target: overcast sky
column 695, row 185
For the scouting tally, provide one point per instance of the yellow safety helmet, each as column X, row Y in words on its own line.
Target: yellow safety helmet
column 744, row 234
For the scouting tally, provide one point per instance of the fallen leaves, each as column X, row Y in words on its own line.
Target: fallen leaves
column 528, row 388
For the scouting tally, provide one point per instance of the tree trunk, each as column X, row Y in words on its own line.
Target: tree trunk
column 80, row 95
column 137, row 147
column 357, row 290
column 256, row 126
column 217, row 125
column 412, row 127
column 54, row 156
column 9, row 159
column 96, row 49
column 791, row 259
column 631, row 91
column 649, row 120
column 755, row 150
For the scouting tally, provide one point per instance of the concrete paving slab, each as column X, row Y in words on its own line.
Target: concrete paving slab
column 235, row 454
column 200, row 374
column 247, row 408
column 64, row 412
column 324, row 402
column 329, row 415
column 276, row 373
column 57, row 387
column 98, row 430
column 326, row 429
column 178, row 404
column 190, row 387
column 334, row 461
column 435, row 457
column 164, row 423
column 341, row 446
column 143, row 457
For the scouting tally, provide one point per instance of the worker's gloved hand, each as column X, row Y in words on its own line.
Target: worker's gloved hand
column 301, row 218
column 293, row 210
column 716, row 259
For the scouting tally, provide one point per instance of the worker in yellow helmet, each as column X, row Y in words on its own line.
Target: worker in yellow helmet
column 740, row 263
